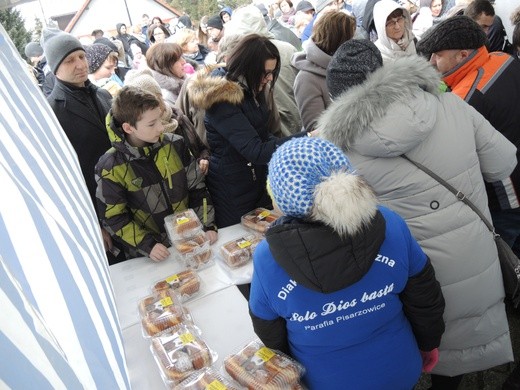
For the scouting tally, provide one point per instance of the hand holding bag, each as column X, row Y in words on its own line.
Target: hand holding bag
column 509, row 263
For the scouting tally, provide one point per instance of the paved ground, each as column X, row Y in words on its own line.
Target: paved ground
column 491, row 379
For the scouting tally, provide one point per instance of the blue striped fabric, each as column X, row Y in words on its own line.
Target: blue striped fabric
column 59, row 326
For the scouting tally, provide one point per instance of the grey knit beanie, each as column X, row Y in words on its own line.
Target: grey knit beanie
column 33, row 49
column 457, row 32
column 350, row 65
column 57, row 45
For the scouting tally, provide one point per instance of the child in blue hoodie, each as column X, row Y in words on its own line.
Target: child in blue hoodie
column 339, row 283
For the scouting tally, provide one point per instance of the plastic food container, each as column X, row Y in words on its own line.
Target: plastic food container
column 208, row 378
column 259, row 219
column 161, row 311
column 258, row 367
column 181, row 225
column 185, row 283
column 239, row 251
column 195, row 250
column 179, row 352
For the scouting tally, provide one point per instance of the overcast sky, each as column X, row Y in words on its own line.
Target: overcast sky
column 33, row 9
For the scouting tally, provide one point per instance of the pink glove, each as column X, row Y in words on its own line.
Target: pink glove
column 429, row 359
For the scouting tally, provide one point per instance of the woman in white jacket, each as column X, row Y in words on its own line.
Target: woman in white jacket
column 398, row 110
column 393, row 24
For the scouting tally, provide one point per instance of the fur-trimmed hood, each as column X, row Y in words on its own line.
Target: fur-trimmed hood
column 387, row 115
column 206, row 90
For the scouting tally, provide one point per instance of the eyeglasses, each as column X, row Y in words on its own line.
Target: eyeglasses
column 393, row 21
column 158, row 33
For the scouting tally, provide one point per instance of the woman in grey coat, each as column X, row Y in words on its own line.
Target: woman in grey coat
column 399, row 110
column 310, row 86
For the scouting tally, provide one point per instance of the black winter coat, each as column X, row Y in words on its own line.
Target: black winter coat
column 240, row 143
column 81, row 113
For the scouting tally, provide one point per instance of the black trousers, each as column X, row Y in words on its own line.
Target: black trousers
column 440, row 382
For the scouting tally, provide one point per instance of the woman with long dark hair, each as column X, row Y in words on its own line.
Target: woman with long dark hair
column 237, row 121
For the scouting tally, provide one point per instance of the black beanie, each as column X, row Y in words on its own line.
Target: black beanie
column 97, row 54
column 457, row 32
column 107, row 42
column 350, row 65
column 215, row 22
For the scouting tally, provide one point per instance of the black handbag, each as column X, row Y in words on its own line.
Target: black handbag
column 509, row 262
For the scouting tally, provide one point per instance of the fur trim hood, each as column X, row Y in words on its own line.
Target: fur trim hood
column 206, row 90
column 387, row 115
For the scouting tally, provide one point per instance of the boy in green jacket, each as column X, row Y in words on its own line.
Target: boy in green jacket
column 146, row 176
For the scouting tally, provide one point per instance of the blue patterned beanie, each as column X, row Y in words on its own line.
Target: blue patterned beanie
column 297, row 167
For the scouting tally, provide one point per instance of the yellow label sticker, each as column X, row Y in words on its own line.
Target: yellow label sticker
column 167, row 301
column 187, row 338
column 172, row 279
column 265, row 354
column 243, row 243
column 264, row 214
column 182, row 220
column 216, row 385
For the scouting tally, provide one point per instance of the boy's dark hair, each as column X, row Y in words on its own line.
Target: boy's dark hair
column 247, row 60
column 475, row 8
column 130, row 104
column 97, row 33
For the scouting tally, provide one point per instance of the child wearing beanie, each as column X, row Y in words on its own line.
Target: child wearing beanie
column 339, row 283
column 102, row 64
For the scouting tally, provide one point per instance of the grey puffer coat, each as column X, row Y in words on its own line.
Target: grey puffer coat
column 399, row 110
column 310, row 86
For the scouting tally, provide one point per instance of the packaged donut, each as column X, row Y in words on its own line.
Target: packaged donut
column 195, row 250
column 208, row 379
column 185, row 283
column 183, row 224
column 239, row 251
column 179, row 352
column 259, row 219
column 258, row 367
column 161, row 311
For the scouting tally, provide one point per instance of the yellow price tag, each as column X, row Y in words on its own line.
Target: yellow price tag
column 172, row 279
column 264, row 214
column 167, row 301
column 216, row 385
column 265, row 354
column 187, row 338
column 182, row 220
column 243, row 243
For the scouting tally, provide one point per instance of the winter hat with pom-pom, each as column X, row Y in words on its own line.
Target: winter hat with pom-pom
column 311, row 178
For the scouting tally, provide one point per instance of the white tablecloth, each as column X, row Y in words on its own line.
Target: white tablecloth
column 220, row 310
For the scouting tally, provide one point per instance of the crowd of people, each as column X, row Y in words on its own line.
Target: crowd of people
column 319, row 110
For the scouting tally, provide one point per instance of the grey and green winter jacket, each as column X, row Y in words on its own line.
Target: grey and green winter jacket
column 137, row 187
